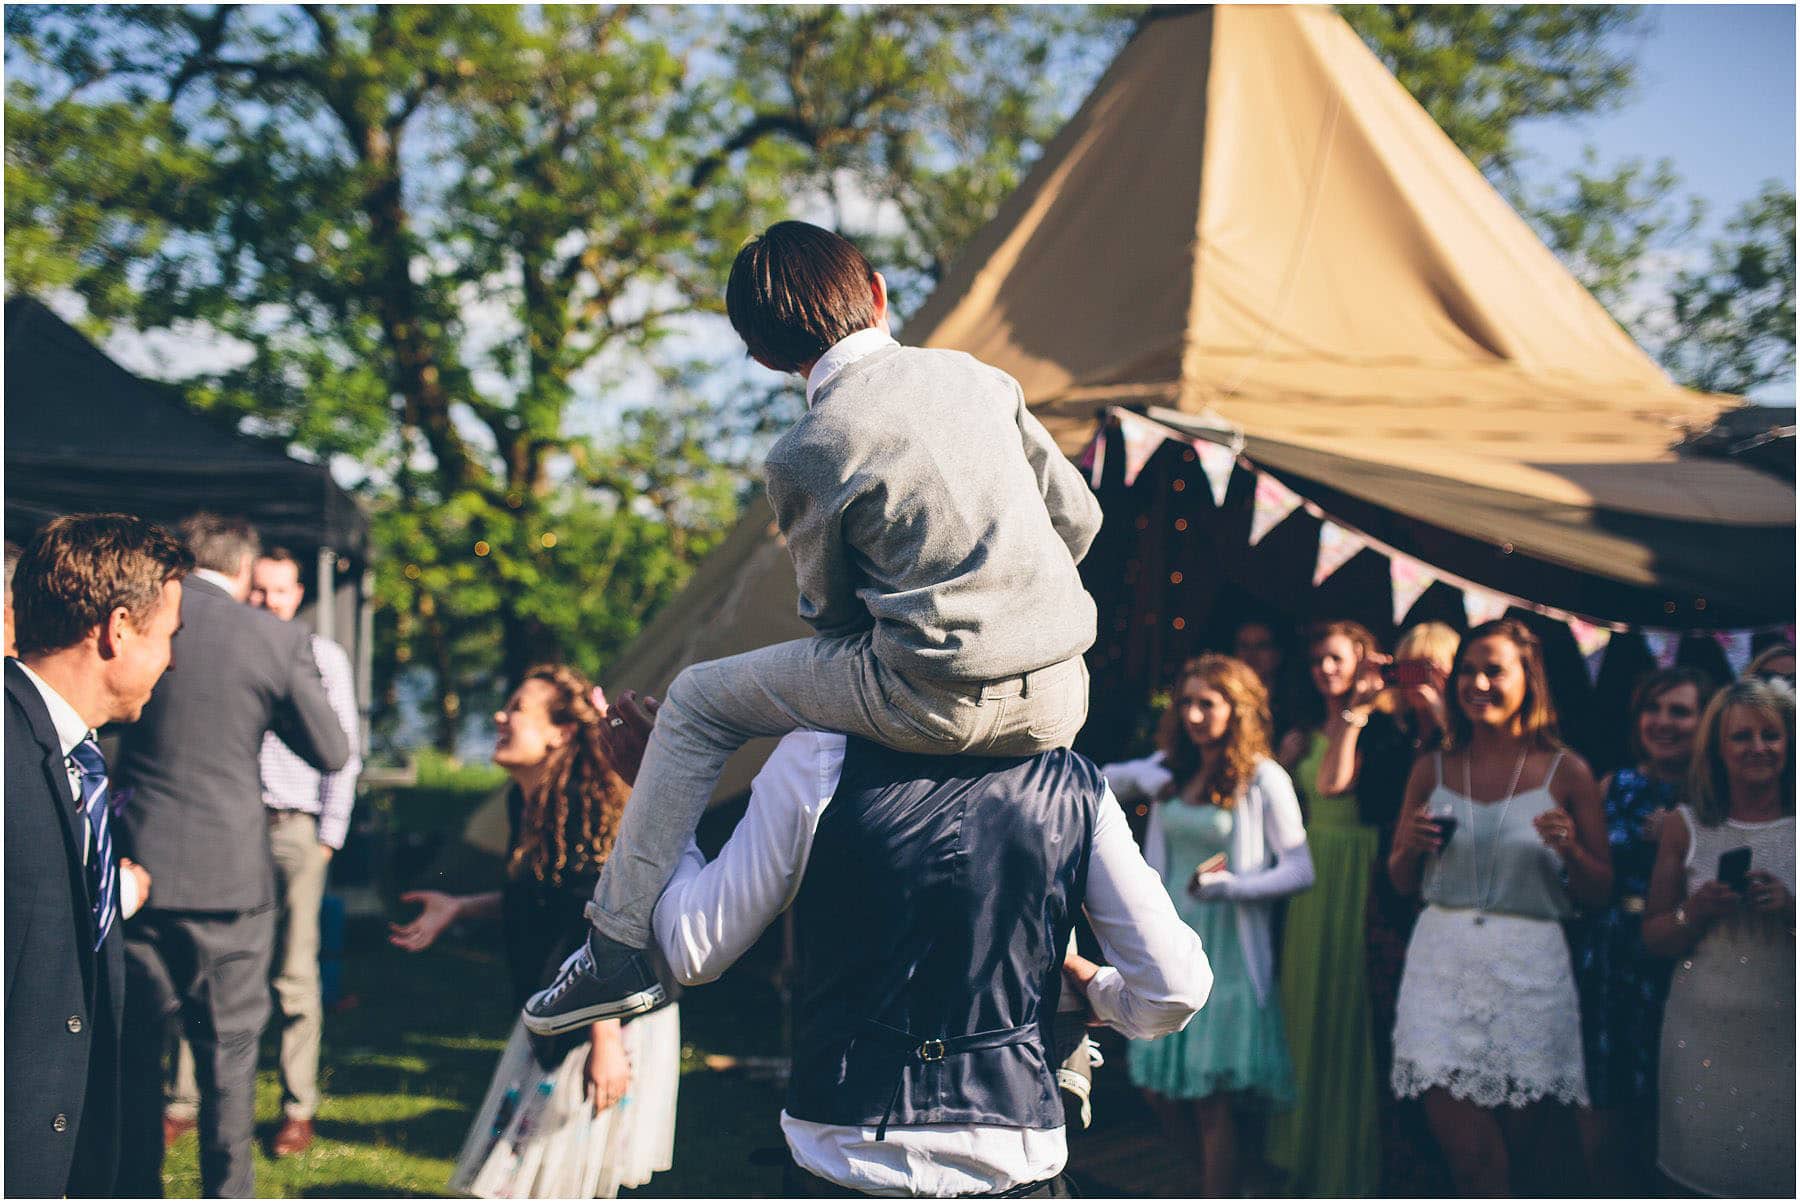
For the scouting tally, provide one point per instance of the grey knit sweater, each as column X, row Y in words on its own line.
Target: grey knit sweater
column 919, row 495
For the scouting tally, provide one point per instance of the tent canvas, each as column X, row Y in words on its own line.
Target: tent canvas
column 1251, row 219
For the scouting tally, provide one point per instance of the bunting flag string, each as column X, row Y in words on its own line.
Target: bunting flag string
column 1484, row 605
column 1218, row 461
column 1142, row 438
column 1592, row 641
column 1736, row 646
column 1664, row 647
column 1337, row 547
column 1410, row 579
column 1274, row 502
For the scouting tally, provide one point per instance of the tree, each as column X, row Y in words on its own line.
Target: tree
column 1730, row 326
column 440, row 233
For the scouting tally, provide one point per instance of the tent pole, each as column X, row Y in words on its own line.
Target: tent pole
column 325, row 597
column 365, row 653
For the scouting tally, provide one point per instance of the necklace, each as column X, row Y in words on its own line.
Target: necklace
column 1483, row 897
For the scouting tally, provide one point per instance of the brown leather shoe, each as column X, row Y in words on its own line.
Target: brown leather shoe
column 176, row 1126
column 296, row 1136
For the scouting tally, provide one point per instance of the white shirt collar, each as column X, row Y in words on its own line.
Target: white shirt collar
column 218, row 578
column 843, row 353
column 71, row 728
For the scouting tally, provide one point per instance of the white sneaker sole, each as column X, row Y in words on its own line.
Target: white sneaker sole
column 631, row 1004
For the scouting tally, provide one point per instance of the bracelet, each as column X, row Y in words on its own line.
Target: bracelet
column 1353, row 718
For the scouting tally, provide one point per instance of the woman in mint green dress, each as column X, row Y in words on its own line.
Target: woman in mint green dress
column 1227, row 838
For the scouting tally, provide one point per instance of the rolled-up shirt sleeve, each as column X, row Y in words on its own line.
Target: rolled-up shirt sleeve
column 712, row 912
column 1158, row 976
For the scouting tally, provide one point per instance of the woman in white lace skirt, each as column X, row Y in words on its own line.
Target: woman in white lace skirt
column 586, row 1114
column 1488, row 1027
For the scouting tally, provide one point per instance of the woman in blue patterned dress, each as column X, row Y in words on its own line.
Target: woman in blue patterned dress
column 1227, row 838
column 1622, row 987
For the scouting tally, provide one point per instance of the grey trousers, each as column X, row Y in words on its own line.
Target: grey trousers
column 826, row 684
column 211, row 968
column 300, row 870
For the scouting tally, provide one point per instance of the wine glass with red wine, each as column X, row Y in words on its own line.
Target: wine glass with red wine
column 1442, row 811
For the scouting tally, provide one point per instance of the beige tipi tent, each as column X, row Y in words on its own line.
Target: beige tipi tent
column 1251, row 220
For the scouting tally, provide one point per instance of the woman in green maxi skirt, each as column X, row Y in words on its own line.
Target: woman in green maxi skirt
column 1330, row 1143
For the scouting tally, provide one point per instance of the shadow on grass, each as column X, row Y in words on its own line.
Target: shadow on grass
column 364, row 1190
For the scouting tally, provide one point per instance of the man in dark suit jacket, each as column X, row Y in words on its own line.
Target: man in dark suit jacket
column 98, row 600
column 196, row 821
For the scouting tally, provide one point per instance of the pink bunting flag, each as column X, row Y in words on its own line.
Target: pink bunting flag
column 1482, row 605
column 1095, row 459
column 1410, row 579
column 1141, row 441
column 1664, row 646
column 1336, row 547
column 1218, row 461
column 1592, row 640
column 1736, row 646
column 1274, row 502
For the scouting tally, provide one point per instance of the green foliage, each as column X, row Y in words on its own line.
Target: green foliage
column 441, row 233
column 1605, row 223
column 1731, row 323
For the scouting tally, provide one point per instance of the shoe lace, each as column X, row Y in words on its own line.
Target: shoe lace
column 566, row 979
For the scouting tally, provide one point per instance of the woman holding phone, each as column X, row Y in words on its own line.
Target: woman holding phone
column 1621, row 984
column 1227, row 838
column 1722, row 903
column 1488, row 1028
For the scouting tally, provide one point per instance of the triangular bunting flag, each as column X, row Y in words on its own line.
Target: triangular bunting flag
column 1141, row 441
column 1218, row 460
column 1664, row 646
column 1483, row 606
column 1592, row 641
column 1336, row 547
column 1410, row 580
column 1736, row 645
column 1274, row 502
column 1096, row 464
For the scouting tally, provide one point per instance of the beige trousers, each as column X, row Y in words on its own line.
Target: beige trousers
column 300, row 867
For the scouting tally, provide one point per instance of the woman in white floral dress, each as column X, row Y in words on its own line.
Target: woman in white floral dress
column 1488, row 1028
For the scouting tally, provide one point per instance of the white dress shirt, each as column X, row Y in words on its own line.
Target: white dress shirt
column 711, row 914
column 72, row 729
column 289, row 783
column 842, row 353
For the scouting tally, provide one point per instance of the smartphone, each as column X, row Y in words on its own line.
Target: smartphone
column 1734, row 869
column 1216, row 861
column 1405, row 673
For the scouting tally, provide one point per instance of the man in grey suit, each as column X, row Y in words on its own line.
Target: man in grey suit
column 195, row 820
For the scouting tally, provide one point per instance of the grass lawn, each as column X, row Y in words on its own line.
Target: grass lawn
column 405, row 1067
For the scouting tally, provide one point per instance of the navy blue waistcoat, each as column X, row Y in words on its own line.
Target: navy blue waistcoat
column 931, row 924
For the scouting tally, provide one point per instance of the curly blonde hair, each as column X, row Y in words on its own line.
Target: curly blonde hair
column 579, row 783
column 1246, row 740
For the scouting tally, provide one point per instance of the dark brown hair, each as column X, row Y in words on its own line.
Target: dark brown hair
column 219, row 544
column 81, row 568
column 280, row 555
column 1537, row 712
column 1653, row 687
column 1247, row 739
column 571, row 819
column 796, row 289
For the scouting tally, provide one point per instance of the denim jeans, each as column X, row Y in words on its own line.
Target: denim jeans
column 825, row 684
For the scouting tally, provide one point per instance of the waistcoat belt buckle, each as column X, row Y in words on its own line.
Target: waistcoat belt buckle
column 931, row 1050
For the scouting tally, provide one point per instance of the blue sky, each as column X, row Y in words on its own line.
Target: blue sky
column 1715, row 94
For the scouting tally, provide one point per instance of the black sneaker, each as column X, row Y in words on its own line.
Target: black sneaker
column 602, row 979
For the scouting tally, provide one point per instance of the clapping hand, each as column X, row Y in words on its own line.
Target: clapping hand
column 439, row 911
